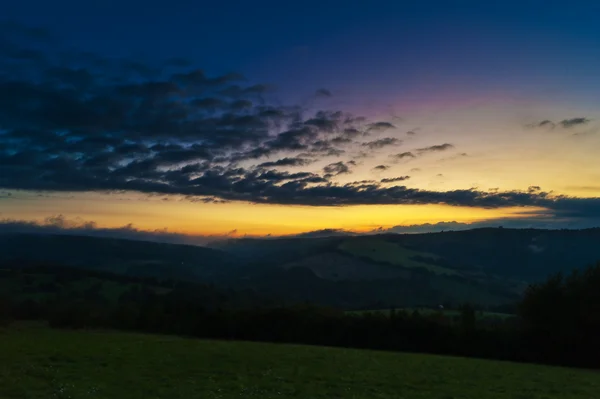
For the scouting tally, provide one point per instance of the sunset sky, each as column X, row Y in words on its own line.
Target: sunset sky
column 277, row 118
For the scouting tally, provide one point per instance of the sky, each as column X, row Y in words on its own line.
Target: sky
column 265, row 118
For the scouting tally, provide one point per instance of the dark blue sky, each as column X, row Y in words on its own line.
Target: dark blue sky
column 474, row 111
column 371, row 49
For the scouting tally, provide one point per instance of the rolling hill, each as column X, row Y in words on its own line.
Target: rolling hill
column 121, row 256
column 519, row 254
column 489, row 267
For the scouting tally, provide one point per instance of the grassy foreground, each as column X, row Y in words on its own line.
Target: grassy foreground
column 43, row 363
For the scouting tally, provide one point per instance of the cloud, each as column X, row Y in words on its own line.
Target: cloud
column 453, row 157
column 90, row 127
column 362, row 182
column 380, row 126
column 381, row 167
column 90, row 124
column 425, row 150
column 61, row 225
column 403, row 155
column 395, row 179
column 545, row 124
column 323, row 93
column 336, row 168
column 569, row 123
column 287, row 162
column 541, row 222
column 435, row 148
column 387, row 141
column 565, row 123
column 323, row 233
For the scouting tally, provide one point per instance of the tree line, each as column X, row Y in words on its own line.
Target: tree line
column 558, row 321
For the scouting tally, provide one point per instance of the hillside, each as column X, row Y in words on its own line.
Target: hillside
column 129, row 257
column 517, row 254
column 489, row 267
column 41, row 363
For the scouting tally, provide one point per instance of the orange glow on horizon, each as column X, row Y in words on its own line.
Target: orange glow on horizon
column 181, row 216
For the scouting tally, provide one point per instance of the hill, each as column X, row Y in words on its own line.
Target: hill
column 488, row 267
column 116, row 255
column 41, row 363
column 518, row 254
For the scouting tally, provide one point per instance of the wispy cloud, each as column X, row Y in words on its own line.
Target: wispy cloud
column 287, row 162
column 395, row 179
column 403, row 155
column 435, row 148
column 564, row 124
column 569, row 123
column 336, row 168
column 385, row 142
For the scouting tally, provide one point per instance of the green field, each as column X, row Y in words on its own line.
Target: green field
column 451, row 313
column 36, row 362
column 380, row 250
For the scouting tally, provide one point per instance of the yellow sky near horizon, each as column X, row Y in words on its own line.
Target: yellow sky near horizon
column 196, row 218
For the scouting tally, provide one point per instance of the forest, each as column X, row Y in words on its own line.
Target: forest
column 557, row 321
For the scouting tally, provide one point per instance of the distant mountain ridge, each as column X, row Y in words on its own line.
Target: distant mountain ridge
column 489, row 266
column 530, row 254
column 117, row 255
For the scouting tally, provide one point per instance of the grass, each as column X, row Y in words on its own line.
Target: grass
column 451, row 313
column 384, row 251
column 43, row 363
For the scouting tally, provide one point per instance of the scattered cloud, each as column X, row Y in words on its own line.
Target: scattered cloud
column 565, row 123
column 385, row 142
column 323, row 233
column 403, row 155
column 569, row 123
column 380, row 126
column 362, row 182
column 337, row 168
column 381, row 167
column 453, row 157
column 61, row 225
column 536, row 222
column 547, row 124
column 287, row 162
column 395, row 179
column 90, row 124
column 435, row 148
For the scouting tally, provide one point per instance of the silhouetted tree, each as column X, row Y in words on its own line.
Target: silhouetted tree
column 561, row 317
